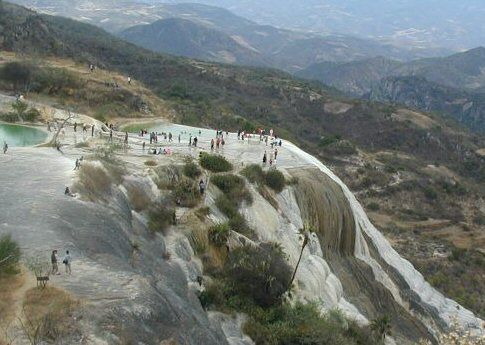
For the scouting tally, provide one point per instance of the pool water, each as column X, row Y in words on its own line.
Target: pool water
column 20, row 136
column 184, row 131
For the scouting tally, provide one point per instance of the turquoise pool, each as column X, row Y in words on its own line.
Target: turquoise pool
column 19, row 136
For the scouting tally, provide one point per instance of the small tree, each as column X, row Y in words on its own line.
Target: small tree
column 19, row 109
column 305, row 238
column 53, row 141
column 381, row 326
column 260, row 273
column 18, row 74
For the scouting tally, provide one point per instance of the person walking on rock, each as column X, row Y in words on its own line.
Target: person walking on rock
column 55, row 266
column 92, row 131
column 67, row 262
column 265, row 158
column 202, row 187
column 5, row 147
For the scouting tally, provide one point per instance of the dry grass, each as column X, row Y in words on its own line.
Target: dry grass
column 138, row 198
column 8, row 286
column 48, row 314
column 199, row 240
column 151, row 163
column 94, row 182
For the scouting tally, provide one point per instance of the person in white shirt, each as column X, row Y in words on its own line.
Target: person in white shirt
column 67, row 262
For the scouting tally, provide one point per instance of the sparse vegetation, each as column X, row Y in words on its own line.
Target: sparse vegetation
column 191, row 170
column 254, row 173
column 48, row 315
column 273, row 178
column 219, row 233
column 160, row 218
column 186, row 193
column 94, row 183
column 151, row 163
column 9, row 255
column 214, row 163
column 233, row 187
column 138, row 197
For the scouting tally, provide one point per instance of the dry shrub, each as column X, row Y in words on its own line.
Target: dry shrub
column 138, row 198
column 94, row 182
column 166, row 177
column 151, row 163
column 199, row 240
column 214, row 260
column 8, row 285
column 49, row 314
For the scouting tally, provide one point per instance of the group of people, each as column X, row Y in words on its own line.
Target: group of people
column 154, row 136
column 55, row 262
column 77, row 165
column 272, row 157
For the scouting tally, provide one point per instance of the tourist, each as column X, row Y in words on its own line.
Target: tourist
column 190, row 140
column 5, row 147
column 75, row 126
column 126, row 137
column 77, row 164
column 179, row 138
column 143, row 146
column 55, row 266
column 212, row 144
column 202, row 187
column 67, row 262
column 170, row 137
column 110, row 135
column 265, row 158
column 280, row 143
column 275, row 153
column 195, row 141
column 48, row 126
column 67, row 192
column 92, row 131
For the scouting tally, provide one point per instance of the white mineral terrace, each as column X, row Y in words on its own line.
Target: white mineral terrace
column 33, row 179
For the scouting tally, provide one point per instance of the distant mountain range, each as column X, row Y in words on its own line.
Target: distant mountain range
column 211, row 33
column 452, row 85
column 419, row 23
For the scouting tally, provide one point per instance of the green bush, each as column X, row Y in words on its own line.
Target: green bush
column 191, row 170
column 214, row 163
column 160, row 218
column 9, row 255
column 275, row 180
column 260, row 273
column 218, row 234
column 254, row 173
column 373, row 206
column 430, row 193
column 18, row 74
column 303, row 324
column 233, row 186
column 237, row 222
column 226, row 206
